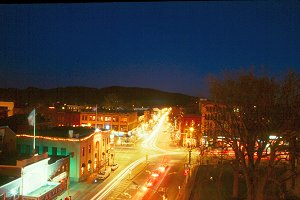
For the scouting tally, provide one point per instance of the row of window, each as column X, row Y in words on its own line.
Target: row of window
column 214, row 117
column 101, row 118
column 27, row 149
column 215, row 109
column 90, row 147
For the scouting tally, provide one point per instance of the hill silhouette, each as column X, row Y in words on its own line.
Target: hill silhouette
column 114, row 95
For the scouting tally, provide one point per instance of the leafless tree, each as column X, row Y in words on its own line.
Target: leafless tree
column 251, row 108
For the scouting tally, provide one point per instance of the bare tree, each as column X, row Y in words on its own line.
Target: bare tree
column 250, row 110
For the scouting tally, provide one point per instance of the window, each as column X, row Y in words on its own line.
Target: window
column 107, row 119
column 83, row 151
column 54, row 151
column 89, row 148
column 123, row 128
column 63, row 151
column 45, row 149
column 19, row 148
column 27, row 150
column 37, row 149
column 115, row 127
column 92, row 117
column 115, row 119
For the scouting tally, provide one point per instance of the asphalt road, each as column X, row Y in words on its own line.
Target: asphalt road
column 167, row 185
column 122, row 184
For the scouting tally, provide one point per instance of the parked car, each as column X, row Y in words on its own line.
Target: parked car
column 104, row 174
column 114, row 166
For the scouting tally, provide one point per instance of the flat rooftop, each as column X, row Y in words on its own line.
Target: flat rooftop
column 63, row 132
column 42, row 190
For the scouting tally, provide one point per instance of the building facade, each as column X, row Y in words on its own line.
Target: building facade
column 35, row 178
column 209, row 113
column 6, row 109
column 191, row 129
column 120, row 122
column 88, row 152
column 7, row 143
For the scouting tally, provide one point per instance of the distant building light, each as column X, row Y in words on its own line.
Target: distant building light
column 51, row 107
column 273, row 137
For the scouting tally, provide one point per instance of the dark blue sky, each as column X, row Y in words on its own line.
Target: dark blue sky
column 171, row 46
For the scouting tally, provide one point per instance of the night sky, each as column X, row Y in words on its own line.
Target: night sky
column 170, row 46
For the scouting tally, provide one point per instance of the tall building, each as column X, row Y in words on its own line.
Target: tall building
column 210, row 111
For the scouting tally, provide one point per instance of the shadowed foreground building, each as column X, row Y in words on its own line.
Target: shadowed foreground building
column 36, row 177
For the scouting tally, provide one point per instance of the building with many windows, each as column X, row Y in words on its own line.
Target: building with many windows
column 89, row 150
column 209, row 113
column 120, row 122
column 191, row 129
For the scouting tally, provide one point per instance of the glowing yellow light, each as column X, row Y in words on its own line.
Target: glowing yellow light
column 145, row 188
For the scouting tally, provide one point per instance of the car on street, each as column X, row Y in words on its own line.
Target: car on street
column 162, row 168
column 151, row 181
column 104, row 174
column 114, row 166
column 155, row 173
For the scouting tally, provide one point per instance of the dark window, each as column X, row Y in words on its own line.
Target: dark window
column 37, row 149
column 54, row 151
column 19, row 148
column 63, row 151
column 27, row 150
column 45, row 149
column 89, row 148
column 83, row 151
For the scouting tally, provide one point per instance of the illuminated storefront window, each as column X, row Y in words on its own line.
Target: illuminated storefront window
column 95, row 163
column 89, row 165
column 82, row 168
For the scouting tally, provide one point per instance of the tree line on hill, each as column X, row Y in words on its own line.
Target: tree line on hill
column 110, row 96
